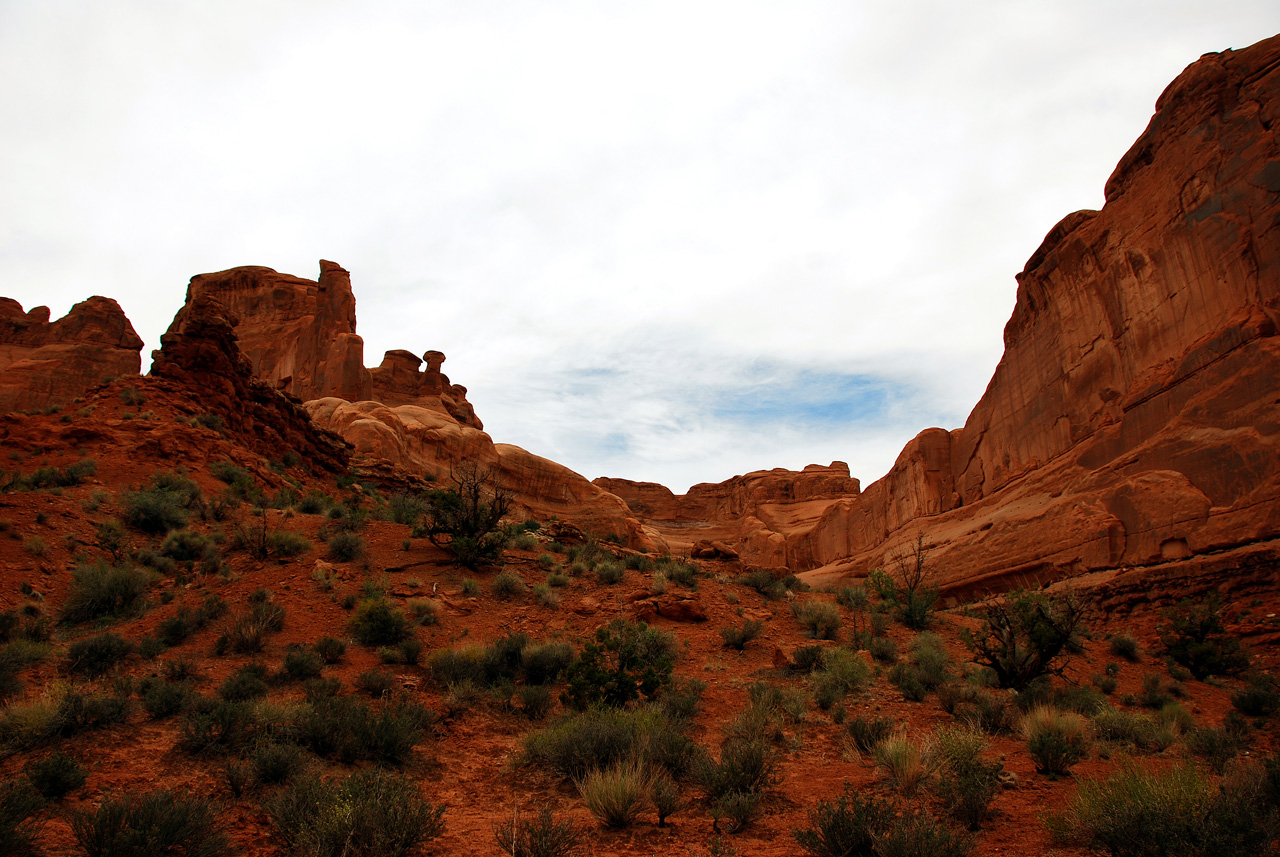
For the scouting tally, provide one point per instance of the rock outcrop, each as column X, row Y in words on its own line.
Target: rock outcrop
column 299, row 334
column 200, row 352
column 43, row 363
column 398, row 381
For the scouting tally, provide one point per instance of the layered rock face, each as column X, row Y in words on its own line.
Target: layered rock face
column 398, row 381
column 200, row 352
column 45, row 363
column 1133, row 417
column 300, row 335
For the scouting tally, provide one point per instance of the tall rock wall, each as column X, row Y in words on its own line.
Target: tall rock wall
column 45, row 363
column 1133, row 417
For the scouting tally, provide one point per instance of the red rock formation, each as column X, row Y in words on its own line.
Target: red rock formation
column 200, row 352
column 300, row 335
column 44, row 364
column 398, row 382
column 1132, row 418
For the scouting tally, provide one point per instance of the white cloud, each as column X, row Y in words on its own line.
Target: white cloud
column 822, row 187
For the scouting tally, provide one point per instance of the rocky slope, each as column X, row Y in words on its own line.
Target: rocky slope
column 45, row 364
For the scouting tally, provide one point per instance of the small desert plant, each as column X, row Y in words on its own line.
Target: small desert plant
column 616, row 795
column 286, row 544
column 911, row 592
column 369, row 814
column 141, row 825
column 1138, row 813
column 376, row 683
column 906, row 762
column 609, row 573
column 345, row 546
column 1124, row 646
column 377, row 622
column 163, row 699
column 163, row 506
column 301, row 664
column 820, row 619
column 849, row 826
column 966, row 784
column 916, row 834
column 98, row 654
column 1056, row 740
column 470, row 587
column 330, row 649
column 218, row 726
column 248, row 682
column 101, row 590
column 465, row 519
column 1259, row 698
column 543, row 663
column 507, row 585
column 867, row 733
column 738, row 637
column 19, row 803
column 624, row 661
column 842, row 672
column 1140, row 731
column 542, row 836
column 55, row 776
column 425, row 610
column 275, row 763
column 666, row 795
column 763, row 581
column 349, row 730
column 1196, row 638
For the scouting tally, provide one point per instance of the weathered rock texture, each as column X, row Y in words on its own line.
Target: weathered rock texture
column 45, row 363
column 300, row 335
column 200, row 352
column 430, row 442
column 1133, row 418
column 398, row 381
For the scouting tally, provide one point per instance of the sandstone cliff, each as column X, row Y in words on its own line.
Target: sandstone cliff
column 45, row 363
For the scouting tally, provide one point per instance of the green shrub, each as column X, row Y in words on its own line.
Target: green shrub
column 747, row 765
column 348, row 730
column 616, row 795
column 842, row 672
column 1216, row 746
column 820, row 619
column 849, row 826
column 162, row 699
column 1177, row 811
column 330, row 649
column 609, row 573
column 1195, row 637
column 275, row 763
column 1056, row 740
column 763, row 581
column 301, row 664
column 911, row 593
column 372, row 813
column 680, row 573
column 55, row 776
column 346, row 546
column 624, row 661
column 377, row 622
column 163, row 506
column 883, row 650
column 507, row 585
column 682, row 698
column 143, row 825
column 907, row 763
column 738, row 637
column 184, row 545
column 867, row 733
column 287, row 544
column 544, row 663
column 1024, row 634
column 585, row 741
column 1259, row 698
column 102, row 590
column 98, row 654
column 248, row 682
column 248, row 633
column 425, row 610
column 376, row 683
column 465, row 519
column 966, row 784
column 916, row 834
column 451, row 666
column 1137, row 730
column 1124, row 646
column 19, row 803
column 218, row 726
column 540, row 837
column 314, row 503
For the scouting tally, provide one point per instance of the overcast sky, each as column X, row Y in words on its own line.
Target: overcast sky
column 668, row 241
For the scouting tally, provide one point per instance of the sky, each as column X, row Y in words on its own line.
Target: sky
column 664, row 241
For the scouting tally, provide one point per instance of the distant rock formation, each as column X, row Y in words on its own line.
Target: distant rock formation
column 200, row 352
column 399, row 382
column 45, row 363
